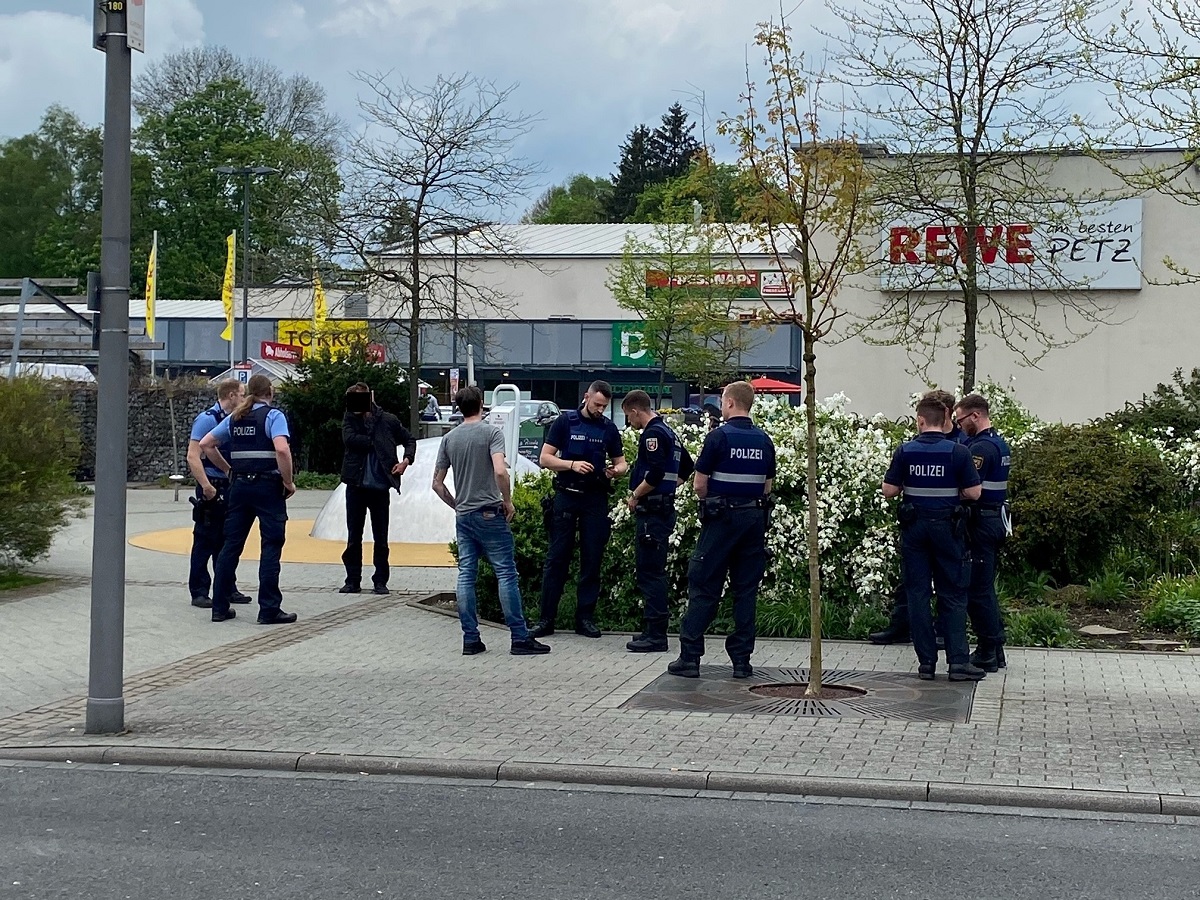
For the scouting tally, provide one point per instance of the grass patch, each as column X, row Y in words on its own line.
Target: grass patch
column 10, row 581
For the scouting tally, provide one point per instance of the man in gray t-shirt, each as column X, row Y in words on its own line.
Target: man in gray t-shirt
column 483, row 507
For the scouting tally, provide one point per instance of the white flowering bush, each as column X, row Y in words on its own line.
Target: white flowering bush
column 856, row 528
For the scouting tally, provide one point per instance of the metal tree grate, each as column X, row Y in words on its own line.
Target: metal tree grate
column 886, row 695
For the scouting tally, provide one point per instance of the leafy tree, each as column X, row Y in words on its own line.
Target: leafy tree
column 39, row 446
column 677, row 285
column 314, row 400
column 431, row 162
column 959, row 93
column 288, row 129
column 672, row 145
column 719, row 188
column 808, row 208
column 194, row 208
column 293, row 106
column 636, row 169
column 583, row 199
column 50, row 199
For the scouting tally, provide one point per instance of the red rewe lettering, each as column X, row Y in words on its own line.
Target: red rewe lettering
column 902, row 245
column 1018, row 248
column 937, row 246
column 987, row 245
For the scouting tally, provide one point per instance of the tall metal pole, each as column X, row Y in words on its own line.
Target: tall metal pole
column 454, row 338
column 246, row 270
column 106, row 702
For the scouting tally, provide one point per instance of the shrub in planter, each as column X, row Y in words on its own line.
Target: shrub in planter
column 1079, row 492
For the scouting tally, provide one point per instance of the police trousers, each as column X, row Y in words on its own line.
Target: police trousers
column 985, row 535
column 934, row 556
column 208, row 536
column 654, row 527
column 587, row 514
column 261, row 499
column 732, row 544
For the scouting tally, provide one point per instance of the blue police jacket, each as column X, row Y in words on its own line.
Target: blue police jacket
column 579, row 437
column 204, row 423
column 251, row 448
column 658, row 459
column 992, row 458
column 738, row 458
column 931, row 469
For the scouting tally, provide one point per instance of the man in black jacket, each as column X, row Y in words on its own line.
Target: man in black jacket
column 370, row 470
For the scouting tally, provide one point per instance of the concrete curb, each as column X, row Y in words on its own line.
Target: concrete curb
column 673, row 779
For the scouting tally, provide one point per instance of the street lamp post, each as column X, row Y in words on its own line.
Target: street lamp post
column 246, row 173
column 456, row 232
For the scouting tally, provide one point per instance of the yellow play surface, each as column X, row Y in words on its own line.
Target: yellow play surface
column 300, row 547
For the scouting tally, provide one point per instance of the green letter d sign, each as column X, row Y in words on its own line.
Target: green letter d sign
column 629, row 345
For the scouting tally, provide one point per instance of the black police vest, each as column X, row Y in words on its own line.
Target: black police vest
column 251, row 450
column 742, row 472
column 661, row 431
column 994, row 474
column 585, row 443
column 927, row 468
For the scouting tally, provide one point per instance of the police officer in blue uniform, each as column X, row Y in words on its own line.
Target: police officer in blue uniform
column 897, row 629
column 662, row 464
column 260, row 470
column 212, row 496
column 987, row 528
column 935, row 475
column 576, row 447
column 734, row 474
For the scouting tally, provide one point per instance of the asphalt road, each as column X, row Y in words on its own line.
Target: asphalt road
column 138, row 834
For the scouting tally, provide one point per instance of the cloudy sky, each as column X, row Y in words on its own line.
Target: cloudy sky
column 590, row 69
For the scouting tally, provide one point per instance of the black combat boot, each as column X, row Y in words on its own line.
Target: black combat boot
column 653, row 639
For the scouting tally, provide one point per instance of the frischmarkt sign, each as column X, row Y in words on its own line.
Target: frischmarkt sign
column 628, row 345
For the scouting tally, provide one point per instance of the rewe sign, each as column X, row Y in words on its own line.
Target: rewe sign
column 1097, row 246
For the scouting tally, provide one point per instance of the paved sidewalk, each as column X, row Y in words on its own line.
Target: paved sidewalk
column 376, row 677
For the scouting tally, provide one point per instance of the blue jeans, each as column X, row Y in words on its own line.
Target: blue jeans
column 260, row 499
column 486, row 532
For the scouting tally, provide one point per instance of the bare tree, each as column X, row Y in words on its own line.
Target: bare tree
column 1151, row 57
column 968, row 102
column 807, row 206
column 435, row 162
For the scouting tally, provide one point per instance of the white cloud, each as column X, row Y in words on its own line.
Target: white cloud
column 46, row 57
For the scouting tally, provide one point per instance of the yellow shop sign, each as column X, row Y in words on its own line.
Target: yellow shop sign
column 335, row 334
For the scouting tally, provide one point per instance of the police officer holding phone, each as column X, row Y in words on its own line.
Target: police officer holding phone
column 988, row 526
column 934, row 475
column 579, row 442
column 734, row 474
column 662, row 463
column 260, row 470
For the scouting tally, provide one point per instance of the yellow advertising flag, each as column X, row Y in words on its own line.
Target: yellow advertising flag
column 227, row 285
column 151, row 287
column 320, row 308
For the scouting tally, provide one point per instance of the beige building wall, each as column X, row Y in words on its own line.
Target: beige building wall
column 1149, row 332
